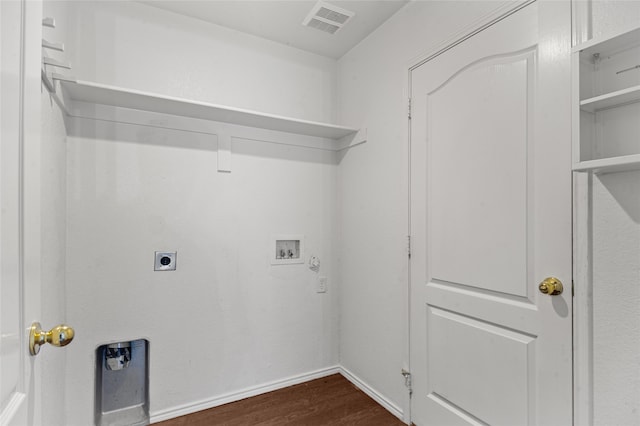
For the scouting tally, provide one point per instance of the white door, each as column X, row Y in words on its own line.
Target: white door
column 19, row 297
column 490, row 220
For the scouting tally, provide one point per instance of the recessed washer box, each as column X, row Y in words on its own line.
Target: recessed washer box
column 287, row 249
column 165, row 261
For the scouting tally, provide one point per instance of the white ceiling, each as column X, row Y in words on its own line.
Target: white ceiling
column 281, row 20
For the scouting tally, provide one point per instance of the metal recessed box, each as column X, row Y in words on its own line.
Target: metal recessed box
column 165, row 261
column 287, row 249
column 122, row 384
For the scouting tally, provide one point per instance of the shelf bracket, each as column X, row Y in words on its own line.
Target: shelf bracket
column 49, row 22
column 53, row 46
column 352, row 140
column 224, row 153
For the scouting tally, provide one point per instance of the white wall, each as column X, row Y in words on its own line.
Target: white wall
column 226, row 320
column 609, row 17
column 136, row 46
column 616, row 298
column 373, row 188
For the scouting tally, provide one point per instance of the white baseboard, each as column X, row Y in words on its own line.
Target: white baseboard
column 374, row 394
column 193, row 407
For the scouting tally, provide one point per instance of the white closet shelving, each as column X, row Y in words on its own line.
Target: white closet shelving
column 614, row 164
column 94, row 93
column 606, row 155
column 610, row 100
column 607, row 104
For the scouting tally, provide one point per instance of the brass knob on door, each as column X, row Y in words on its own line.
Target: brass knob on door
column 551, row 286
column 60, row 335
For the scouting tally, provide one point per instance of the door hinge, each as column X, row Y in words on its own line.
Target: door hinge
column 409, row 109
column 407, row 380
column 409, row 245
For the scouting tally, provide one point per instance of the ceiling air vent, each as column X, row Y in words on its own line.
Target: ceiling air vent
column 327, row 17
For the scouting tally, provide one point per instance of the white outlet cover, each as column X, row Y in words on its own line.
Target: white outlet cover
column 321, row 286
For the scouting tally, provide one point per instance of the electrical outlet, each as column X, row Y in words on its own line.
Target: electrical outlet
column 165, row 261
column 321, row 286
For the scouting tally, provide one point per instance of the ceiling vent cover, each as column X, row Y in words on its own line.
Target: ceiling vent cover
column 327, row 17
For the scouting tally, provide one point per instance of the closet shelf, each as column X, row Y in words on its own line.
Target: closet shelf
column 83, row 91
column 607, row 45
column 609, row 165
column 613, row 99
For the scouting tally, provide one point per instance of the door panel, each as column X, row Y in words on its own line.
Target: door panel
column 463, row 151
column 494, row 384
column 490, row 160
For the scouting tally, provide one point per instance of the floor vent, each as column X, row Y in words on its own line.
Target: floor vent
column 327, row 17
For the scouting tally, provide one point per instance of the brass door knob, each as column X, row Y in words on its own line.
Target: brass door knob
column 551, row 286
column 60, row 335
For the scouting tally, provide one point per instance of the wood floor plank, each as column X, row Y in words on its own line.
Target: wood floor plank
column 331, row 400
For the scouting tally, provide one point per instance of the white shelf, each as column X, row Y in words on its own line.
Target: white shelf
column 609, row 165
column 609, row 44
column 615, row 53
column 620, row 97
column 83, row 91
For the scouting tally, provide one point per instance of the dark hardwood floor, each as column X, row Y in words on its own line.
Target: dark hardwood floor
column 332, row 400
